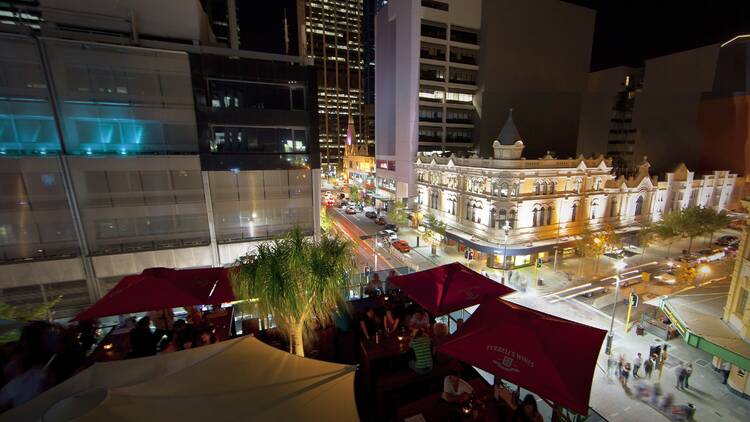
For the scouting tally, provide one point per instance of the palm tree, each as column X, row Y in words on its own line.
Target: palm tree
column 296, row 280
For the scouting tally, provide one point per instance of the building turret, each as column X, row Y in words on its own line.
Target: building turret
column 508, row 145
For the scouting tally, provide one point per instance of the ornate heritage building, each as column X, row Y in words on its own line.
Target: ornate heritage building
column 546, row 202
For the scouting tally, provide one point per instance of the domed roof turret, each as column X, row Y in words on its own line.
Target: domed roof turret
column 509, row 134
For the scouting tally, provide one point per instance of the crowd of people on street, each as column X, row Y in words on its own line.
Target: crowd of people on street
column 169, row 335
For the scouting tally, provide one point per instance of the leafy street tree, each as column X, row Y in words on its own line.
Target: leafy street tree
column 297, row 280
column 646, row 237
column 354, row 193
column 40, row 312
column 692, row 222
column 595, row 244
column 667, row 230
column 714, row 221
column 326, row 221
column 434, row 227
column 397, row 213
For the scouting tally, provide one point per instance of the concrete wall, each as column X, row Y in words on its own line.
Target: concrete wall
column 535, row 59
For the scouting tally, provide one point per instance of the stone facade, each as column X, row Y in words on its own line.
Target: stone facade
column 547, row 200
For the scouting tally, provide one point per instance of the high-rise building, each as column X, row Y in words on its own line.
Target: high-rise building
column 436, row 92
column 692, row 106
column 333, row 40
column 129, row 139
column 370, row 10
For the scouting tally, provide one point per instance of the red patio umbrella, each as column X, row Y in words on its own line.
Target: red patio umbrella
column 548, row 355
column 162, row 288
column 448, row 288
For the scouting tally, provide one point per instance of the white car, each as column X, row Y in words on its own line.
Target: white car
column 388, row 234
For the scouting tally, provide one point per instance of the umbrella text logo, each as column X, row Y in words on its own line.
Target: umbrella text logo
column 506, row 364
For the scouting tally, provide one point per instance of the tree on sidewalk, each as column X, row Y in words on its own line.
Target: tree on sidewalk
column 714, row 221
column 397, row 213
column 666, row 230
column 354, row 193
column 595, row 244
column 434, row 231
column 646, row 237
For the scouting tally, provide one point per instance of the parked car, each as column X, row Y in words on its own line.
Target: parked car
column 371, row 214
column 710, row 255
column 727, row 240
column 391, row 226
column 689, row 259
column 402, row 246
column 388, row 234
column 380, row 221
column 351, row 210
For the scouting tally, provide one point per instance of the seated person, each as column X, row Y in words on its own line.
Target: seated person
column 374, row 286
column 369, row 323
column 390, row 322
column 456, row 390
column 419, row 321
column 422, row 346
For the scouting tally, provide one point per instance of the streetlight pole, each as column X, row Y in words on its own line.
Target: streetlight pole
column 506, row 229
column 619, row 266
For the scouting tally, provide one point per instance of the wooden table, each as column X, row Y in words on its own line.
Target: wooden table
column 433, row 408
column 386, row 347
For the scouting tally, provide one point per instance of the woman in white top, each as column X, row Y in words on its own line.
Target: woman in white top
column 456, row 390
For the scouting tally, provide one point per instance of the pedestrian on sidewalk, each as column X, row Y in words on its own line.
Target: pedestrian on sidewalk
column 680, row 372
column 637, row 362
column 625, row 374
column 649, row 366
column 688, row 372
column 620, row 364
column 726, row 368
column 610, row 365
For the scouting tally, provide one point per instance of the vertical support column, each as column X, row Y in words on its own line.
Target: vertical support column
column 92, row 282
column 234, row 37
column 315, row 179
column 215, row 258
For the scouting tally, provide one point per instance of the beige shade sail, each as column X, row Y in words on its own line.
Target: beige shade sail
column 241, row 379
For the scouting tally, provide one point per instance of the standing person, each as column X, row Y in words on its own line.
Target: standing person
column 620, row 364
column 419, row 321
column 726, row 368
column 142, row 340
column 680, row 372
column 391, row 275
column 610, row 365
column 625, row 374
column 688, row 372
column 649, row 366
column 527, row 411
column 163, row 321
column 637, row 362
column 422, row 346
column 390, row 322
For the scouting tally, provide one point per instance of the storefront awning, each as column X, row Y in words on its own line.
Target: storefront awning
column 499, row 248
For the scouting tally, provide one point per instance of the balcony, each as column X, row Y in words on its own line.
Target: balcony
column 432, row 75
column 431, row 55
column 463, row 59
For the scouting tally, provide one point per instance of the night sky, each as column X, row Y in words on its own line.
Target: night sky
column 629, row 31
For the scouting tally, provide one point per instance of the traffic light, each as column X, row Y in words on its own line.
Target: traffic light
column 634, row 299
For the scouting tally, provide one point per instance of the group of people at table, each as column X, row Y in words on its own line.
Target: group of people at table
column 395, row 316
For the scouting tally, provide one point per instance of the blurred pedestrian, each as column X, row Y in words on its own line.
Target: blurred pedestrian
column 142, row 341
column 726, row 368
column 688, row 372
column 625, row 374
column 681, row 372
column 637, row 362
column 648, row 367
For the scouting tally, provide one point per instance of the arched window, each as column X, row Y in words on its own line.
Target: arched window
column 512, row 218
column 503, row 217
column 639, row 206
column 613, row 207
column 538, row 188
column 573, row 212
column 552, row 187
column 597, row 184
column 493, row 217
column 545, row 188
column 535, row 216
column 514, row 190
column 549, row 215
column 594, row 204
column 452, row 206
column 578, row 185
column 468, row 210
column 504, row 190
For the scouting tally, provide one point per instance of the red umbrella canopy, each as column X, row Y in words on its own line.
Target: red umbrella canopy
column 448, row 288
column 548, row 355
column 162, row 288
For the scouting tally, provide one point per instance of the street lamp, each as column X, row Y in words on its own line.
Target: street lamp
column 506, row 229
column 619, row 266
column 705, row 270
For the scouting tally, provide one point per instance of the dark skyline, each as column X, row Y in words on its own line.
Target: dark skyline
column 629, row 31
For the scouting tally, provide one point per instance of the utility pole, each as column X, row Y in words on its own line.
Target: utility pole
column 619, row 266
